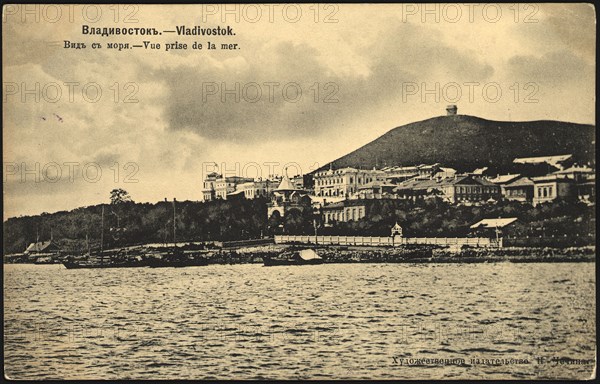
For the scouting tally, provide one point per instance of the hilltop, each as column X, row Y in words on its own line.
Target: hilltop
column 468, row 142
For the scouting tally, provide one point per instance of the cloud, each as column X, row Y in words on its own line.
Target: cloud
column 362, row 62
column 570, row 27
column 558, row 68
column 229, row 101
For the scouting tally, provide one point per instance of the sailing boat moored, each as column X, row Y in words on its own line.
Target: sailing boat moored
column 111, row 258
column 177, row 256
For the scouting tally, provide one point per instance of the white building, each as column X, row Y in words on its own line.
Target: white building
column 345, row 182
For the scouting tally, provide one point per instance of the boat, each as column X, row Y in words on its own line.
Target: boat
column 125, row 257
column 103, row 262
column 111, row 258
column 177, row 258
column 45, row 258
column 294, row 257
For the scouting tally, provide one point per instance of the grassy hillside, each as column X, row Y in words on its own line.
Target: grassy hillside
column 466, row 142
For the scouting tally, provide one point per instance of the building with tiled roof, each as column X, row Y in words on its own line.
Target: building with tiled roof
column 345, row 181
column 343, row 211
column 551, row 187
column 458, row 189
column 520, row 189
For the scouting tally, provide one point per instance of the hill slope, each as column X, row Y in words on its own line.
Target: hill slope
column 466, row 142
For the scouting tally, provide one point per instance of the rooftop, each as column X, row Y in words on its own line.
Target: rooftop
column 542, row 159
column 520, row 182
column 494, row 223
column 575, row 169
column 504, row 179
column 552, row 177
column 39, row 246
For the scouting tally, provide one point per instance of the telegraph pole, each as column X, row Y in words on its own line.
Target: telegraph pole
column 102, row 233
column 174, row 226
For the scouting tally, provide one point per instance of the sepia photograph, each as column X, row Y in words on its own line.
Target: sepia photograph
column 286, row 191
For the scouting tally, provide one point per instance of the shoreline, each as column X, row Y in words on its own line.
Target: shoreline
column 407, row 255
column 418, row 255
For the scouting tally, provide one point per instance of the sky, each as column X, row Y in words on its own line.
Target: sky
column 304, row 85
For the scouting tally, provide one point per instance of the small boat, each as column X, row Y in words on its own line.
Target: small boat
column 294, row 257
column 44, row 260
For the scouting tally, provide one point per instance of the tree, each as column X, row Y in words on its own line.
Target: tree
column 118, row 196
column 295, row 222
column 275, row 221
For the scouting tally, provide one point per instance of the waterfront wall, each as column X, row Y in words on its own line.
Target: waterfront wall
column 386, row 241
column 418, row 254
column 244, row 243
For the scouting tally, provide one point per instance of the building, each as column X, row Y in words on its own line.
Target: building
column 551, row 187
column 458, row 189
column 586, row 190
column 396, row 230
column 343, row 211
column 258, row 188
column 210, row 186
column 286, row 197
column 298, row 181
column 504, row 180
column 42, row 250
column 44, row 247
column 236, row 195
column 577, row 173
column 218, row 187
column 469, row 189
column 344, row 182
column 229, row 184
column 493, row 228
column 451, row 110
column 400, row 174
column 445, row 172
column 419, row 188
column 493, row 223
column 483, row 171
column 519, row 189
column 374, row 190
